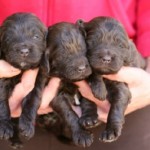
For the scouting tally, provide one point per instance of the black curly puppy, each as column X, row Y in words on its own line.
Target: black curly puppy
column 65, row 57
column 109, row 48
column 22, row 44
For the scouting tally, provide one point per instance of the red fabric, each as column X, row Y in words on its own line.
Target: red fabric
column 134, row 14
column 8, row 7
column 143, row 27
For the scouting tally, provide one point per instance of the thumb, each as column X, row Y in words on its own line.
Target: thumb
column 47, row 96
column 6, row 70
column 129, row 75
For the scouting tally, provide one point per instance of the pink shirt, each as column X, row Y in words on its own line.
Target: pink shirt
column 134, row 14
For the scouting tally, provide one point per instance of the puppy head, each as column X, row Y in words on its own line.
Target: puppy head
column 23, row 40
column 107, row 43
column 68, row 52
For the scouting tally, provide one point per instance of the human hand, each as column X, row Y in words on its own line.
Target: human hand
column 21, row 90
column 25, row 86
column 138, row 81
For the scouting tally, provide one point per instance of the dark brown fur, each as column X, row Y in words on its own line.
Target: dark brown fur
column 109, row 48
column 22, row 43
column 65, row 58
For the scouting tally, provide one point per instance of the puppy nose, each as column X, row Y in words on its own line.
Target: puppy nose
column 24, row 52
column 81, row 68
column 106, row 59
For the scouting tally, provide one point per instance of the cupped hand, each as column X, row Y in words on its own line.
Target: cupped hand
column 137, row 79
column 21, row 90
column 138, row 82
column 25, row 86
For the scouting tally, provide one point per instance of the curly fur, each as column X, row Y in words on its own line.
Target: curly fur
column 65, row 58
column 22, row 44
column 109, row 48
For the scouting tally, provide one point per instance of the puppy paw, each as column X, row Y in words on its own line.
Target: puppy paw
column 17, row 145
column 111, row 134
column 98, row 87
column 88, row 122
column 6, row 129
column 26, row 127
column 83, row 138
column 99, row 92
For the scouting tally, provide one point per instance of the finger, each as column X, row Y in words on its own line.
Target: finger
column 22, row 89
column 45, row 110
column 50, row 92
column 28, row 79
column 16, row 112
column 129, row 75
column 7, row 71
column 102, row 115
column 16, row 99
column 101, row 110
column 86, row 92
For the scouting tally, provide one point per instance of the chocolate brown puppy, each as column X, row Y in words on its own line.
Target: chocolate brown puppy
column 109, row 48
column 22, row 44
column 65, row 58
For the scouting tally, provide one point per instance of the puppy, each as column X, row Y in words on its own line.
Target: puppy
column 22, row 44
column 109, row 48
column 65, row 58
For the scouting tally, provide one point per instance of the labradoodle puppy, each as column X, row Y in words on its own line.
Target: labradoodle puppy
column 65, row 58
column 22, row 44
column 109, row 48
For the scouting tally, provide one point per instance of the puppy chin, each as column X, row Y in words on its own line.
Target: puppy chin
column 23, row 64
column 107, row 70
column 78, row 78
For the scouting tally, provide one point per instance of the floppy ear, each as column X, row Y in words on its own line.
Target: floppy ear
column 81, row 25
column 133, row 57
column 45, row 66
column 129, row 53
column 45, row 34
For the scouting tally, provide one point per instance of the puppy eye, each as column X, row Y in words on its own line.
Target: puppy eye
column 36, row 37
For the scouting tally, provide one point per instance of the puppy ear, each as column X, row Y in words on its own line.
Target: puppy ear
column 133, row 57
column 45, row 66
column 46, row 33
column 132, row 46
column 81, row 25
column 128, row 55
